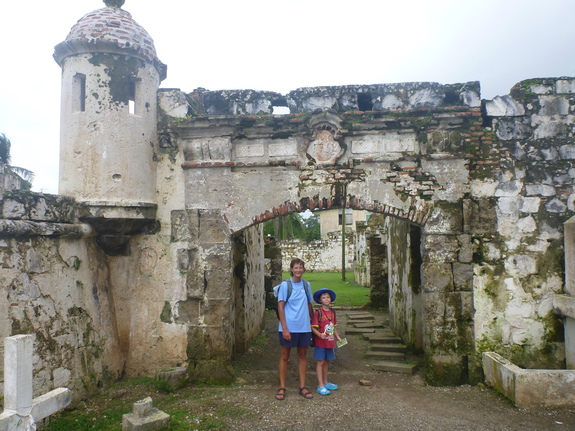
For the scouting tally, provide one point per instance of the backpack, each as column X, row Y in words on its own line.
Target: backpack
column 276, row 290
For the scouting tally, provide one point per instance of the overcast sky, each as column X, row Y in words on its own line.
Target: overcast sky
column 282, row 45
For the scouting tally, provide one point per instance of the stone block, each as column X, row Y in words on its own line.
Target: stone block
column 565, row 86
column 176, row 377
column 187, row 311
column 504, row 106
column 463, row 276
column 437, row 277
column 553, row 105
column 216, row 312
column 446, row 219
column 509, row 129
column 145, row 417
column 440, row 248
column 479, row 216
column 529, row 388
column 184, row 225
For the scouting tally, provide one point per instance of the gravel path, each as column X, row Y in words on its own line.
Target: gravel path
column 392, row 402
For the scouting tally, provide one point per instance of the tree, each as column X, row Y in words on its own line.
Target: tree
column 5, row 157
column 312, row 225
column 286, row 227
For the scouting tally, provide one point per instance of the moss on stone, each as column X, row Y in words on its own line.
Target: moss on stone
column 166, row 315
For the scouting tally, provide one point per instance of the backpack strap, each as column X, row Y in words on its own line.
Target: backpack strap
column 306, row 285
column 290, row 288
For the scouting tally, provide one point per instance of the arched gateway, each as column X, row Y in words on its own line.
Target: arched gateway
column 158, row 260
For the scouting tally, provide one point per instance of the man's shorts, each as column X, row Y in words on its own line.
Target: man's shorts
column 324, row 354
column 298, row 339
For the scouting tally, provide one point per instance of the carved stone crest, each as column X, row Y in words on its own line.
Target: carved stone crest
column 324, row 147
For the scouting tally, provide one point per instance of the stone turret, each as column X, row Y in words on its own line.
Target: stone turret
column 110, row 78
column 108, row 126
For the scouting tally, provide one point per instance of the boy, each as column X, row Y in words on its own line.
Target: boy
column 323, row 326
column 294, row 329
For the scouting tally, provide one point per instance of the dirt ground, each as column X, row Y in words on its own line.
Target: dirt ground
column 393, row 402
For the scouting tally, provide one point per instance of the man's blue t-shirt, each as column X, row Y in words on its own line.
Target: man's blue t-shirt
column 296, row 308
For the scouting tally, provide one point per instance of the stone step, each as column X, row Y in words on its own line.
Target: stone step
column 367, row 325
column 372, row 354
column 393, row 347
column 358, row 331
column 360, row 316
column 353, row 322
column 395, row 367
column 382, row 338
column 385, row 356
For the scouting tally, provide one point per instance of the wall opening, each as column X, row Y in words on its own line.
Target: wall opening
column 132, row 97
column 79, row 93
column 364, row 102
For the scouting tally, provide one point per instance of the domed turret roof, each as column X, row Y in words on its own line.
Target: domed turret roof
column 111, row 30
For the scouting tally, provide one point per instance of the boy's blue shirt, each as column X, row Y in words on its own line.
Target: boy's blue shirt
column 296, row 309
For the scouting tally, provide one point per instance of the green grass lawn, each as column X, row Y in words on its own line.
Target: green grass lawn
column 348, row 292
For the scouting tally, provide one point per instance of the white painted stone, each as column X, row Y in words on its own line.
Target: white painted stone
column 526, row 224
column 392, row 102
column 504, row 106
column 249, row 150
column 539, row 190
column 530, row 204
column 509, row 205
column 399, row 142
column 529, row 388
column 367, row 146
column 173, row 103
column 509, row 188
column 541, row 89
column 567, row 152
column 284, row 149
column 547, row 127
column 318, row 102
column 483, row 189
column 565, row 86
column 571, row 202
column 553, row 105
column 21, row 410
column 555, row 206
column 426, row 97
column 470, row 98
column 521, row 265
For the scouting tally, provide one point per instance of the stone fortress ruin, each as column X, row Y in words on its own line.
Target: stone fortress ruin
column 152, row 255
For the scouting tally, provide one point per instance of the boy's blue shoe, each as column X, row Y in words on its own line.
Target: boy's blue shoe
column 323, row 391
column 331, row 387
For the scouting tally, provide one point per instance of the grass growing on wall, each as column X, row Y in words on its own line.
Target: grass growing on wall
column 348, row 292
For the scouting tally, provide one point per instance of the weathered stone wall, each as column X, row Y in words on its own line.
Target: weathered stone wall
column 249, row 286
column 523, row 193
column 320, row 255
column 8, row 179
column 474, row 205
column 56, row 285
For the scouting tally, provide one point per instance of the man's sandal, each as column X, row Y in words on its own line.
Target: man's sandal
column 281, row 396
column 307, row 394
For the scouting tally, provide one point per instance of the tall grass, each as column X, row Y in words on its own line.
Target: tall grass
column 348, row 292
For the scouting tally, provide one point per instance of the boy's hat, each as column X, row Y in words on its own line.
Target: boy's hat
column 317, row 294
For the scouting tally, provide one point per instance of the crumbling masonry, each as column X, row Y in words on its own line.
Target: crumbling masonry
column 153, row 254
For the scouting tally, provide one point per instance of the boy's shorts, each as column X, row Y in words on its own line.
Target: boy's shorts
column 324, row 354
column 298, row 339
